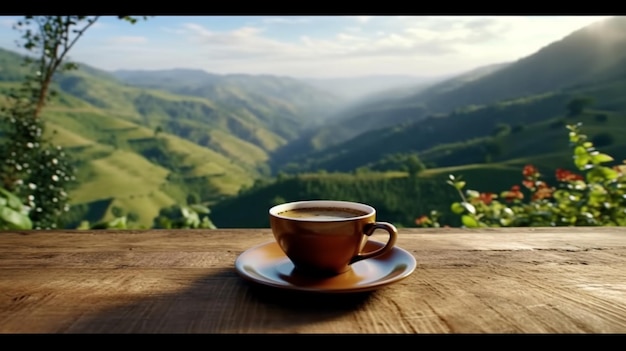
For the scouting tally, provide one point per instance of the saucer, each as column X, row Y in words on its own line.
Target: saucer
column 267, row 264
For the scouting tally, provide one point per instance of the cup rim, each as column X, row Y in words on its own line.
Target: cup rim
column 275, row 210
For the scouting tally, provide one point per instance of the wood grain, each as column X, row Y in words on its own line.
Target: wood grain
column 540, row 280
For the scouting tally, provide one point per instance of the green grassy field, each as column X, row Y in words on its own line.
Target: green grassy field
column 111, row 174
column 238, row 150
column 134, row 179
column 218, row 143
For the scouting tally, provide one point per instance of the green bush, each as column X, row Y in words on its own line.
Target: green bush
column 597, row 197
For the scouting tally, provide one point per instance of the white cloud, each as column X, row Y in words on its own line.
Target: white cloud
column 124, row 40
column 354, row 29
column 198, row 29
column 285, row 20
column 177, row 31
column 349, row 37
column 239, row 44
column 339, row 46
column 428, row 38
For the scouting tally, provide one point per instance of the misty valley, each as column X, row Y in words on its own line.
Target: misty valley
column 143, row 143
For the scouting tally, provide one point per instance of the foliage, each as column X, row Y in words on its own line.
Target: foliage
column 431, row 141
column 406, row 162
column 193, row 216
column 595, row 198
column 435, row 139
column 395, row 196
column 116, row 223
column 32, row 167
column 13, row 213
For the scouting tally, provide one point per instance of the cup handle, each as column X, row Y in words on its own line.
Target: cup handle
column 369, row 230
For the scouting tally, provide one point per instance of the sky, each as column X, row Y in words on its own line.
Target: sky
column 313, row 46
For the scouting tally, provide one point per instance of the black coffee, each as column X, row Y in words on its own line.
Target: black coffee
column 322, row 213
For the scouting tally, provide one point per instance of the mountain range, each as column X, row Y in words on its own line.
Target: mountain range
column 144, row 140
column 584, row 62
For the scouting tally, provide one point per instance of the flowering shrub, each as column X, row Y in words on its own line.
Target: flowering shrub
column 594, row 197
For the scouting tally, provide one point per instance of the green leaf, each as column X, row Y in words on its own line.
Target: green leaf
column 601, row 158
column 509, row 212
column 597, row 192
column 469, row 207
column 457, row 208
column 609, row 173
column 186, row 213
column 206, row 223
column 459, row 185
column 193, row 220
column 581, row 161
column 469, row 221
column 600, row 173
column 12, row 200
column 200, row 208
column 118, row 223
column 14, row 219
column 580, row 151
column 84, row 225
column 505, row 222
column 472, row 194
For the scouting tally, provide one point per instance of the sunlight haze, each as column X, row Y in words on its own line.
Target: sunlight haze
column 314, row 46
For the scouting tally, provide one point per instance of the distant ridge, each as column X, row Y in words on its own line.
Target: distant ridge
column 595, row 54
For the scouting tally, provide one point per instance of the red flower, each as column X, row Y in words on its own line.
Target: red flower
column 530, row 171
column 422, row 220
column 486, row 198
column 563, row 175
column 543, row 191
column 513, row 194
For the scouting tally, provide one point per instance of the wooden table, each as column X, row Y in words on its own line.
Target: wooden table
column 544, row 280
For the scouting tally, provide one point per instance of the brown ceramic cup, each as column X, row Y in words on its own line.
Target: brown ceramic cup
column 324, row 237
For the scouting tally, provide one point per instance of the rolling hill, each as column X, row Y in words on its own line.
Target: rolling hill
column 145, row 140
column 534, row 89
column 142, row 148
column 591, row 55
column 485, row 125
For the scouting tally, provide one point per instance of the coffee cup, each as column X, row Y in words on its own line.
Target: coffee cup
column 325, row 237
